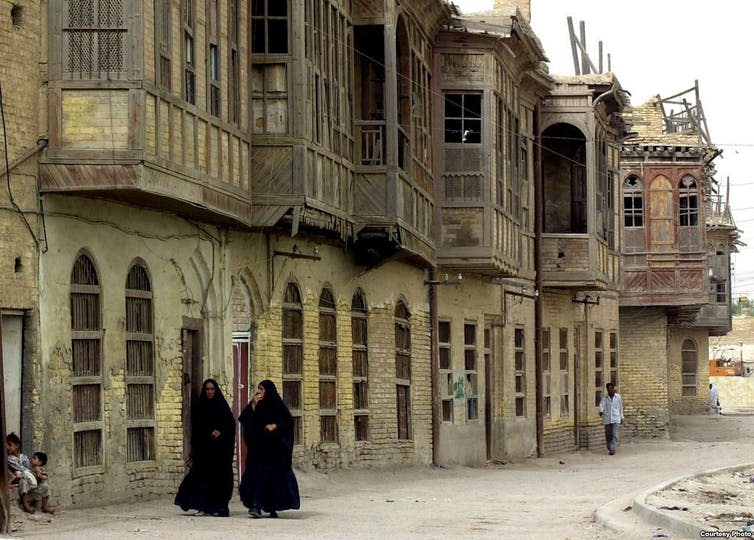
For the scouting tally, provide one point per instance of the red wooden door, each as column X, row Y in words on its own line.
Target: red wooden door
column 241, row 394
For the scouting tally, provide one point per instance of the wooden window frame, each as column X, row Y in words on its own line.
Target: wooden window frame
column 689, row 368
column 613, row 344
column 465, row 118
column 633, row 213
column 95, row 31
column 163, row 43
column 214, row 58
column 564, row 375
column 519, row 367
column 599, row 365
column 402, row 327
column 360, row 347
column 234, row 66
column 546, row 373
column 87, row 328
column 188, row 51
column 292, row 305
column 328, row 374
column 445, row 365
column 265, row 19
column 471, row 369
column 688, row 202
column 141, row 429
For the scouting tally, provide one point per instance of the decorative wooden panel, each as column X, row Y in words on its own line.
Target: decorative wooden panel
column 662, row 228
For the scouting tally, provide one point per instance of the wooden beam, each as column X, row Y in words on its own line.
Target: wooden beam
column 574, row 50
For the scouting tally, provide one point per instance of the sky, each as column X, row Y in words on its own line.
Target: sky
column 662, row 47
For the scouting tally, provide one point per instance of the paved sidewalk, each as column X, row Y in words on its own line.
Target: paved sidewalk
column 553, row 497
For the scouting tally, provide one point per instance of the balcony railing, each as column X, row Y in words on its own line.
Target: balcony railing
column 370, row 137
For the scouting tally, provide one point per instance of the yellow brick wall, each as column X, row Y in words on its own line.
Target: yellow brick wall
column 680, row 404
column 336, row 270
column 644, row 384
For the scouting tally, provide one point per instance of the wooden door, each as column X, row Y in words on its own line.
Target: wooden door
column 191, row 384
column 241, row 385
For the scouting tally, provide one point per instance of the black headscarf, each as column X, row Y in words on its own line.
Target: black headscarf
column 213, row 414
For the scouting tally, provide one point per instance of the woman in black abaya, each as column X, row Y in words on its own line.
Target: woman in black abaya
column 268, row 483
column 208, row 486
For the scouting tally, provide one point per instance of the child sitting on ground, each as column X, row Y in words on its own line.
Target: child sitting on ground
column 38, row 461
column 22, row 476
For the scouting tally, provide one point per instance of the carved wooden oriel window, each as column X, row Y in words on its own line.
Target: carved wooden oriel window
column 94, row 38
column 403, row 370
column 86, row 351
column 140, row 369
column 293, row 357
column 360, row 355
column 328, row 367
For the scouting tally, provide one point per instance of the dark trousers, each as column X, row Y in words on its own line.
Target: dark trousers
column 611, row 435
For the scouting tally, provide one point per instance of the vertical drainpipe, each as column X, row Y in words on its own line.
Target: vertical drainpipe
column 539, row 296
column 434, row 366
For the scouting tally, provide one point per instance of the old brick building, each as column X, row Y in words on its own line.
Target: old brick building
column 675, row 270
column 393, row 211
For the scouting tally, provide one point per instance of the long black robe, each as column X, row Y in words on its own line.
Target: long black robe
column 208, row 486
column 268, row 482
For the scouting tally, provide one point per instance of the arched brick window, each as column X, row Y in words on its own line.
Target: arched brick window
column 360, row 355
column 689, row 362
column 328, row 367
column 403, row 370
column 86, row 352
column 140, row 417
column 293, row 357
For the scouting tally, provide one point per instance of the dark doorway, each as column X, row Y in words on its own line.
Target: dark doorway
column 193, row 368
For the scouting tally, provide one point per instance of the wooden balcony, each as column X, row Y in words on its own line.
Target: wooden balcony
column 132, row 142
column 579, row 261
column 392, row 206
column 664, row 279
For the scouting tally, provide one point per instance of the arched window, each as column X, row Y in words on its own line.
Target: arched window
column 688, row 202
column 403, row 369
column 688, row 368
column 140, row 418
column 328, row 367
column 360, row 355
column 293, row 356
column 633, row 202
column 86, row 352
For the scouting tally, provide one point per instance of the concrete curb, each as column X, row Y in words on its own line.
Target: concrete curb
column 604, row 514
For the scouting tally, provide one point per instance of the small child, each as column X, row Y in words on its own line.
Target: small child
column 23, row 477
column 38, row 461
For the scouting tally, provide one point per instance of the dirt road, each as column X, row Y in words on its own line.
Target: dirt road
column 554, row 497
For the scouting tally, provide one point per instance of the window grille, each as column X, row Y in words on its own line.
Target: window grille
column 564, row 378
column 360, row 353
column 86, row 351
column 403, row 370
column 446, row 370
column 293, row 357
column 546, row 373
column 94, row 38
column 140, row 369
column 599, row 380
column 519, row 344
column 328, row 367
column 471, row 367
column 689, row 367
